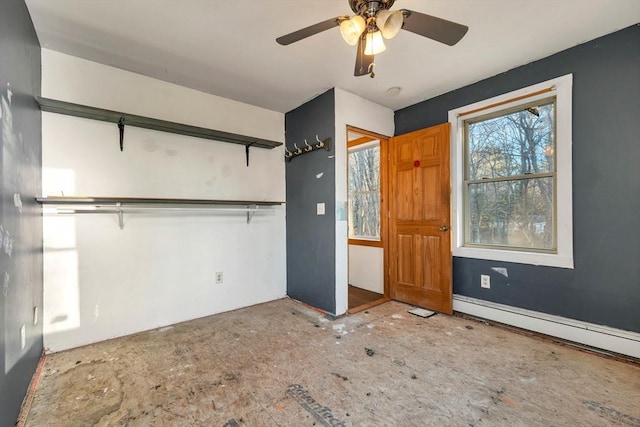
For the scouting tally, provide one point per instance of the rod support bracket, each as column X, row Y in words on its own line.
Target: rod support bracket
column 252, row 210
column 120, row 215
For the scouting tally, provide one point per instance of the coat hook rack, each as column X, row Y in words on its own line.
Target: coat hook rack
column 290, row 154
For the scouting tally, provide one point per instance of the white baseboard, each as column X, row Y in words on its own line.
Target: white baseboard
column 603, row 337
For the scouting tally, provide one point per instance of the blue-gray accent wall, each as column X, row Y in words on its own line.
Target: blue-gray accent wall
column 310, row 179
column 604, row 286
column 20, row 217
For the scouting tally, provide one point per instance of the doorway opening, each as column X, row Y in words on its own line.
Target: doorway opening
column 367, row 194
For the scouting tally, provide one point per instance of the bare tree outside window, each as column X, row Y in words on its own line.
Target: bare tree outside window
column 510, row 178
column 364, row 192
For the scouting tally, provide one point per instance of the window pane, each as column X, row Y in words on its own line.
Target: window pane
column 517, row 143
column 516, row 213
column 364, row 193
column 364, row 220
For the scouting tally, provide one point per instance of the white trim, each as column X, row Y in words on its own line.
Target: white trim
column 350, row 110
column 562, row 89
column 356, row 149
column 604, row 337
column 363, row 146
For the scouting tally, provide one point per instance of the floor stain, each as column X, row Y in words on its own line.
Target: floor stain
column 611, row 413
column 342, row 377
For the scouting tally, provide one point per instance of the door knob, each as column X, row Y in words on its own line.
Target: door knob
column 443, row 228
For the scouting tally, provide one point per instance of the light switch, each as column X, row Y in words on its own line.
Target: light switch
column 320, row 208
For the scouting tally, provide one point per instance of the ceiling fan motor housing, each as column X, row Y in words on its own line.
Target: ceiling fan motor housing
column 369, row 8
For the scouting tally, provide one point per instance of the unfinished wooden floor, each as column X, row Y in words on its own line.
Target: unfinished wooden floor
column 360, row 297
column 282, row 364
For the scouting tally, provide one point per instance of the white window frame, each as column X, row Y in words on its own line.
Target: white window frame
column 361, row 147
column 561, row 88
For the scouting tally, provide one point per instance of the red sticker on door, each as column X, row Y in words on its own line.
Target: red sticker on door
column 416, row 163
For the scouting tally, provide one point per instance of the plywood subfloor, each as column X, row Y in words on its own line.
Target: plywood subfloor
column 358, row 297
column 282, row 364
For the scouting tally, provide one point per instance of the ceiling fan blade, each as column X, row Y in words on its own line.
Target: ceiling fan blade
column 309, row 31
column 438, row 29
column 363, row 62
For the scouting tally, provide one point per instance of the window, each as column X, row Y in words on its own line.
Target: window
column 364, row 191
column 512, row 176
column 509, row 176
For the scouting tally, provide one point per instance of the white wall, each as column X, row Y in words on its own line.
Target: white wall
column 102, row 282
column 354, row 111
column 366, row 268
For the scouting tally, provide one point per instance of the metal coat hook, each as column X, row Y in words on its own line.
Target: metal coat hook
column 121, row 127
column 326, row 144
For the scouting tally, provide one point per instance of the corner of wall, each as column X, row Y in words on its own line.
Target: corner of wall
column 351, row 110
column 310, row 182
column 21, row 277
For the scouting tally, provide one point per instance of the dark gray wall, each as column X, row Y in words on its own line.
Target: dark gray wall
column 20, row 226
column 604, row 287
column 311, row 238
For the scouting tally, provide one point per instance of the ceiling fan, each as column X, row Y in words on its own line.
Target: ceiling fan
column 373, row 22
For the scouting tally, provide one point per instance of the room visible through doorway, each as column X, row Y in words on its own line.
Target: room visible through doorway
column 367, row 183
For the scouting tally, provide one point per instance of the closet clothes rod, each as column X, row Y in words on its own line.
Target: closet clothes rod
column 118, row 205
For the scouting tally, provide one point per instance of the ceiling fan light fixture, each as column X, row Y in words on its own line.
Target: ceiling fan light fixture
column 389, row 23
column 352, row 28
column 373, row 21
column 374, row 44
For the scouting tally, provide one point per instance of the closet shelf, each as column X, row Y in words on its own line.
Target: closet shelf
column 118, row 205
column 71, row 109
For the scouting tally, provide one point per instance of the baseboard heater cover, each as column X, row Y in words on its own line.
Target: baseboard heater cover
column 603, row 337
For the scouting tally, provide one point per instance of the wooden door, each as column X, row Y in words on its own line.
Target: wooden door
column 419, row 220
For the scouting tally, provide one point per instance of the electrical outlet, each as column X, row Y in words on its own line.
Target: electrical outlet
column 23, row 337
column 219, row 277
column 35, row 315
column 485, row 281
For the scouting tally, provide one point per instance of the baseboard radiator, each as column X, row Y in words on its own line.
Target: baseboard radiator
column 598, row 336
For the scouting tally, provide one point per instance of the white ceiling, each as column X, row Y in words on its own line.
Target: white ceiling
column 228, row 48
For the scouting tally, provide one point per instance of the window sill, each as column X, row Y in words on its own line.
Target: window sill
column 365, row 242
column 532, row 258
